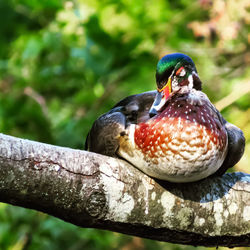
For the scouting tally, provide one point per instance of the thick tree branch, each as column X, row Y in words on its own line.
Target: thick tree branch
column 92, row 190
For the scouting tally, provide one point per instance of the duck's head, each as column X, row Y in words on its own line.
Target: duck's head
column 173, row 72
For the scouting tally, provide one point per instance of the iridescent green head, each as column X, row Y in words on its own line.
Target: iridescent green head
column 171, row 65
column 173, row 72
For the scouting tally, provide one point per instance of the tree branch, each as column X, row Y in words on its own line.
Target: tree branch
column 91, row 190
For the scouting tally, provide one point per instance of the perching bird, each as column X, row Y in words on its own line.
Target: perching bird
column 174, row 133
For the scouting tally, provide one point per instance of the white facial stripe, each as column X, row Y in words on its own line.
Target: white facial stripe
column 190, row 82
column 194, row 73
column 175, row 86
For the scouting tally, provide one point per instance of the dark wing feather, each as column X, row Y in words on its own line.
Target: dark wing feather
column 103, row 136
column 236, row 146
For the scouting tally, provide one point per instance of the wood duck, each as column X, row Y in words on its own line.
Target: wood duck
column 174, row 133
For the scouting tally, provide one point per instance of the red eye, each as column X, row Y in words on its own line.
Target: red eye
column 179, row 71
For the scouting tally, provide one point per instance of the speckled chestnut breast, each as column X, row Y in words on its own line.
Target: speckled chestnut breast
column 185, row 142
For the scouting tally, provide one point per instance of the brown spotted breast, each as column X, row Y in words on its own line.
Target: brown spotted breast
column 185, row 142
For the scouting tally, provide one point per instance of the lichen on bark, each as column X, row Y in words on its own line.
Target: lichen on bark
column 92, row 190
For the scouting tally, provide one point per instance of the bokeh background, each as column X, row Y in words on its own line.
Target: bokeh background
column 63, row 63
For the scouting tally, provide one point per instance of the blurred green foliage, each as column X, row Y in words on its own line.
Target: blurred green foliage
column 63, row 63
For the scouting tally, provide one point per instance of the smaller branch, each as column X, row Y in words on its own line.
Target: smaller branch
column 37, row 98
column 234, row 96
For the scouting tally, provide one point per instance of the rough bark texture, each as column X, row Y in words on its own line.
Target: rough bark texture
column 92, row 190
